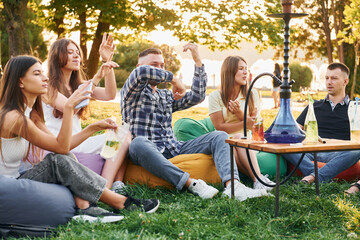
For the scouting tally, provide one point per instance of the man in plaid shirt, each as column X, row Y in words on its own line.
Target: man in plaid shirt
column 149, row 110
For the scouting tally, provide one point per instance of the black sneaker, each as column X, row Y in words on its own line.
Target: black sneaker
column 146, row 205
column 96, row 214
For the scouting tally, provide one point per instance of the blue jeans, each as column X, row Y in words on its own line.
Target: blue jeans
column 145, row 153
column 336, row 162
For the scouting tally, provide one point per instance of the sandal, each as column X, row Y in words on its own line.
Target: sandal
column 356, row 185
column 306, row 182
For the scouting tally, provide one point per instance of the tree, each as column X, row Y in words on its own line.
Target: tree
column 14, row 13
column 95, row 17
column 126, row 55
column 314, row 36
column 225, row 24
column 222, row 25
column 351, row 35
column 27, row 34
column 301, row 74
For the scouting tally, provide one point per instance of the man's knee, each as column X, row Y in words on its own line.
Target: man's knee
column 137, row 143
column 220, row 135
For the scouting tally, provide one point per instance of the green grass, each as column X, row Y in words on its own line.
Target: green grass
column 181, row 215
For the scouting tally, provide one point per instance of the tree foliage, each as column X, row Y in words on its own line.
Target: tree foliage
column 95, row 17
column 224, row 24
column 126, row 55
column 301, row 74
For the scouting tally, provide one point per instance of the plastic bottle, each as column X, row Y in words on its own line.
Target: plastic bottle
column 311, row 127
column 113, row 141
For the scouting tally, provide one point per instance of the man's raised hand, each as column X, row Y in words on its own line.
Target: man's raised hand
column 194, row 53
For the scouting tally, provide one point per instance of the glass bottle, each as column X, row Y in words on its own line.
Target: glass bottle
column 258, row 128
column 310, row 125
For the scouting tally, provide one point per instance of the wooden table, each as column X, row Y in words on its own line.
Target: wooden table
column 331, row 145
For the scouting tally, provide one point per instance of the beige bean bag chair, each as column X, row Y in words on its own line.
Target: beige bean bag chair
column 197, row 165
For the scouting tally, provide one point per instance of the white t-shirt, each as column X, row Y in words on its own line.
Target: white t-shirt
column 216, row 105
column 92, row 144
column 13, row 150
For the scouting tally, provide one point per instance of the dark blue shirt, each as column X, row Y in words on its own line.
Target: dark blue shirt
column 333, row 122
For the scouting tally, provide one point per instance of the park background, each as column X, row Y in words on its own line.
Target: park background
column 330, row 33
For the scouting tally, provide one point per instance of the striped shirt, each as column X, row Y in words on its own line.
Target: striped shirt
column 150, row 114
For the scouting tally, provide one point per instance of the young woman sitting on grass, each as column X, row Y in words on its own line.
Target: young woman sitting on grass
column 226, row 108
column 65, row 71
column 22, row 126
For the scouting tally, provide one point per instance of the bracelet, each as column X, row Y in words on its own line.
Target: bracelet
column 104, row 61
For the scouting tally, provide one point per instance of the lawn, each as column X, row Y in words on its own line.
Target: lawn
column 303, row 214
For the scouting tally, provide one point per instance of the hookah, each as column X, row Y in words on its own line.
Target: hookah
column 284, row 129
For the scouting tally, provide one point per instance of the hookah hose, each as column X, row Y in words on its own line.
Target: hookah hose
column 247, row 150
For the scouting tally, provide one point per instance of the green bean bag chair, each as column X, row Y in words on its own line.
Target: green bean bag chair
column 186, row 129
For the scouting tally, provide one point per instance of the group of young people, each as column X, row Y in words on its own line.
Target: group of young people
column 38, row 118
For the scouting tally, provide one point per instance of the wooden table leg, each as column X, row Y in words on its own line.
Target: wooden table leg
column 316, row 174
column 232, row 170
column 277, row 187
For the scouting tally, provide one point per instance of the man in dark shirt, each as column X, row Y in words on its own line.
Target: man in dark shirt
column 333, row 122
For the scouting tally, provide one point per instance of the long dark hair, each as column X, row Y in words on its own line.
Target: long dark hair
column 229, row 69
column 11, row 96
column 277, row 71
column 57, row 59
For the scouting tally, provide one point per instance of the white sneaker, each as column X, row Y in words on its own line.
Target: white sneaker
column 242, row 192
column 96, row 214
column 118, row 187
column 265, row 179
column 200, row 188
column 91, row 219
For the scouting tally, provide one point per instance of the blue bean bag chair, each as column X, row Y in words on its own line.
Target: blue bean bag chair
column 30, row 208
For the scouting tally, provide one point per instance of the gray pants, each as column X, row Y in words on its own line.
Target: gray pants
column 66, row 171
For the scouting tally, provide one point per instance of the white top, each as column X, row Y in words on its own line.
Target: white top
column 90, row 145
column 13, row 150
column 216, row 105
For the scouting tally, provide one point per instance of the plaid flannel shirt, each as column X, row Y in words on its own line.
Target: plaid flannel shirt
column 150, row 114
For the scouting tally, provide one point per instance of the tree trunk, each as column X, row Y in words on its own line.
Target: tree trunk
column 327, row 30
column 83, row 35
column 356, row 48
column 338, row 14
column 93, row 60
column 15, row 26
column 59, row 29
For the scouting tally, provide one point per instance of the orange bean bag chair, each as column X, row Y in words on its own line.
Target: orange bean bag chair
column 197, row 165
column 350, row 174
